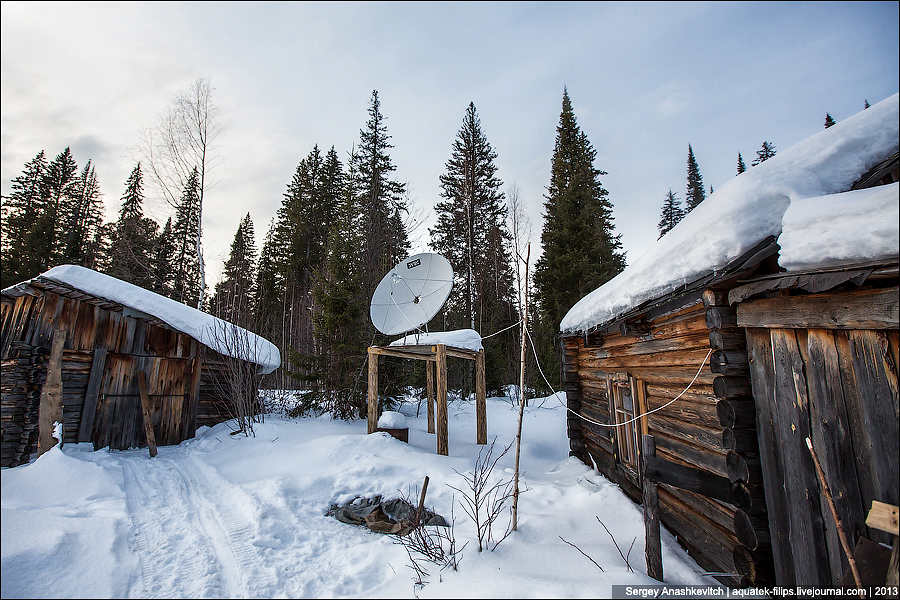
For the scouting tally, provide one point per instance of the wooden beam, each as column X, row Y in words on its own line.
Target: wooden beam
column 652, row 548
column 146, row 411
column 50, row 408
column 373, row 391
column 441, row 380
column 862, row 309
column 687, row 478
column 480, row 403
column 884, row 517
column 91, row 395
column 382, row 351
column 461, row 353
column 429, row 390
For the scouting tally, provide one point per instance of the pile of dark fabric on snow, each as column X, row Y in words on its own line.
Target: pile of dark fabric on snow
column 395, row 516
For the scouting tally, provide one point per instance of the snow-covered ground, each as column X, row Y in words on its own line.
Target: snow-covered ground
column 229, row 516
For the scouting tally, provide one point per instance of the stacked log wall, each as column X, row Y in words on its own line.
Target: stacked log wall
column 710, row 423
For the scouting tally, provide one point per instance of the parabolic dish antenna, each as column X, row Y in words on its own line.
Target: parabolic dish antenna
column 411, row 293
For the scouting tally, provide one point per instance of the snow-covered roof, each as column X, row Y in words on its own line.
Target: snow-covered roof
column 848, row 227
column 459, row 338
column 746, row 210
column 222, row 336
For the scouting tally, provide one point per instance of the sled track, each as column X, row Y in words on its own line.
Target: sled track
column 190, row 540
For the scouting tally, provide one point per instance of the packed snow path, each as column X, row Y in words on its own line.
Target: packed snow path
column 229, row 516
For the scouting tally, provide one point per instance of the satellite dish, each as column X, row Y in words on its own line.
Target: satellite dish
column 411, row 293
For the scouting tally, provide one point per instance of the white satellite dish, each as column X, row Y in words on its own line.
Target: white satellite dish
column 411, row 293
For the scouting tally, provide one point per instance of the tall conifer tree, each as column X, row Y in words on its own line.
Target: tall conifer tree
column 61, row 187
column 381, row 198
column 233, row 298
column 187, row 282
column 580, row 248
column 829, row 120
column 695, row 194
column 341, row 310
column 82, row 215
column 741, row 167
column 471, row 233
column 162, row 261
column 27, row 202
column 671, row 214
column 133, row 236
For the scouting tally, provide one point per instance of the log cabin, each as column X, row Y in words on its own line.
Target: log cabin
column 75, row 345
column 769, row 314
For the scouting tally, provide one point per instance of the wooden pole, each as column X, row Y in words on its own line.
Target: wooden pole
column 652, row 548
column 50, row 409
column 515, row 498
column 148, row 415
column 441, row 380
column 422, row 501
column 373, row 392
column 837, row 520
column 480, row 402
column 429, row 388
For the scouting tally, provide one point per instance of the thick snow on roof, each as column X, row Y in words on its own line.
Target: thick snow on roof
column 841, row 228
column 460, row 338
column 744, row 211
column 222, row 336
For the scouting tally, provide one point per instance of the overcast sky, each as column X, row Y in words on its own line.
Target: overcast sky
column 646, row 80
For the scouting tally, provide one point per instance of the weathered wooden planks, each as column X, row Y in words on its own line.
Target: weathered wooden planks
column 875, row 308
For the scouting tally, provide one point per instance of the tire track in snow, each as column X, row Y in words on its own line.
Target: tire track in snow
column 230, row 506
column 180, row 545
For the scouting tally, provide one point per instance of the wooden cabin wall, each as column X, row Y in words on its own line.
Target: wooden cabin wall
column 104, row 346
column 711, row 427
column 836, row 382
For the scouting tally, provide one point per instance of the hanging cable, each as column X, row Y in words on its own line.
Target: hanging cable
column 484, row 337
column 629, row 421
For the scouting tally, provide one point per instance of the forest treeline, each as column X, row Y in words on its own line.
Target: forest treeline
column 344, row 221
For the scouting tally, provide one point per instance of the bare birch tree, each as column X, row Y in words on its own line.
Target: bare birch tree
column 180, row 142
column 520, row 232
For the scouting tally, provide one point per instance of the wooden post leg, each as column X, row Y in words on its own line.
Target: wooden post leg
column 480, row 403
column 429, row 388
column 651, row 516
column 50, row 407
column 441, row 380
column 373, row 391
column 148, row 416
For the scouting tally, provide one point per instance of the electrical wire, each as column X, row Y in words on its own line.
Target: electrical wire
column 633, row 419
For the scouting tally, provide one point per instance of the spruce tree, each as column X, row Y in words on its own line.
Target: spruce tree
column 187, row 282
column 580, row 248
column 471, row 233
column 233, row 298
column 381, row 198
column 269, row 283
column 81, row 216
column 766, row 152
column 695, row 194
column 741, row 167
column 341, row 311
column 22, row 233
column 866, row 105
column 131, row 247
column 829, row 121
column 61, row 182
column 382, row 203
column 161, row 263
column 671, row 214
